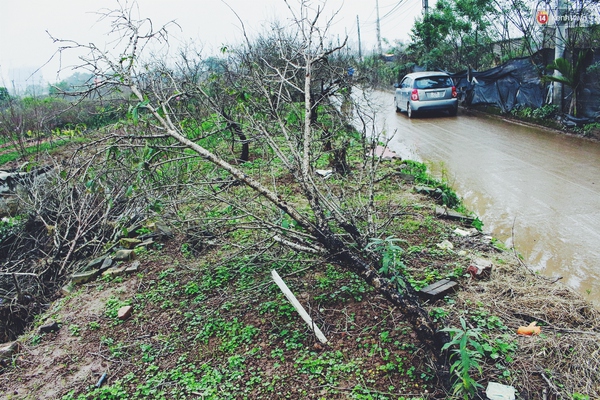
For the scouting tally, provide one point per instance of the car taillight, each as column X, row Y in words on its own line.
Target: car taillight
column 414, row 96
column 454, row 94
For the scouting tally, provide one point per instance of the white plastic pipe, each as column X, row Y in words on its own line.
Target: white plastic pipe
column 290, row 296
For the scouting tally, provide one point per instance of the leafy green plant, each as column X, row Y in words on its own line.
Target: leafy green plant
column 115, row 348
column 94, row 325
column 477, row 224
column 10, row 226
column 390, row 252
column 579, row 396
column 75, row 330
column 588, row 129
column 523, row 112
column 468, row 353
column 570, row 74
column 113, row 305
column 186, row 250
column 438, row 313
column 546, row 111
column 35, row 340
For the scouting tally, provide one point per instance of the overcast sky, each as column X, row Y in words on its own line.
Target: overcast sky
column 25, row 45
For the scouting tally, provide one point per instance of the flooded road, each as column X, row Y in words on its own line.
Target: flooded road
column 535, row 190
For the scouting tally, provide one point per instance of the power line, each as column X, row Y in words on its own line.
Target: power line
column 393, row 9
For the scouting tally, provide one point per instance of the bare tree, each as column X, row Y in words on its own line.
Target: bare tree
column 280, row 117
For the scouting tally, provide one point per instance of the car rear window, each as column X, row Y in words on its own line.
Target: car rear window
column 433, row 82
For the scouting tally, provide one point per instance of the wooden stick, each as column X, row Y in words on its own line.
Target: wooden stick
column 290, row 296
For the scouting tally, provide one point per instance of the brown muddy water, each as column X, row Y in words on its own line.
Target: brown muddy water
column 534, row 189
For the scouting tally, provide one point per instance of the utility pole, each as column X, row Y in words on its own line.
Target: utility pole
column 559, row 50
column 378, row 29
column 425, row 7
column 359, row 45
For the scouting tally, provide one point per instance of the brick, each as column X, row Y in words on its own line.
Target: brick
column 438, row 289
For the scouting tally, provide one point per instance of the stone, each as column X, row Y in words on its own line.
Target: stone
column 442, row 212
column 113, row 272
column 132, row 229
column 146, row 243
column 95, row 263
column 426, row 190
column 7, row 350
column 124, row 255
column 406, row 177
column 50, row 327
column 133, row 268
column 124, row 312
column 106, row 264
column 163, row 229
column 84, row 277
column 67, row 289
column 129, row 243
column 9, row 205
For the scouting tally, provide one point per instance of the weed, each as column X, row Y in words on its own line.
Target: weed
column 504, row 346
column 484, row 320
column 94, row 325
column 192, row 288
column 140, row 250
column 75, row 330
column 116, row 349
column 148, row 352
column 186, row 250
column 469, row 353
column 499, row 245
column 113, row 305
column 579, row 396
column 546, row 111
column 477, row 224
column 411, row 225
column 438, row 313
column 36, row 339
column 391, row 263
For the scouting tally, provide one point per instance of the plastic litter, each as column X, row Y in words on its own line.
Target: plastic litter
column 101, row 380
column 529, row 330
column 497, row 391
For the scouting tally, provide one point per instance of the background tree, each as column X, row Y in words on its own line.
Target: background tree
column 520, row 34
column 4, row 95
column 454, row 34
column 570, row 75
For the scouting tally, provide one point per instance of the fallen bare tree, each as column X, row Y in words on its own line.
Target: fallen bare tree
column 277, row 109
column 65, row 216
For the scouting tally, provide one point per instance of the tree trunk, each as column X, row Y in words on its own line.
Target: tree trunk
column 237, row 129
column 407, row 301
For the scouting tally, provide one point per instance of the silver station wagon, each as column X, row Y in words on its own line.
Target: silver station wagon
column 426, row 91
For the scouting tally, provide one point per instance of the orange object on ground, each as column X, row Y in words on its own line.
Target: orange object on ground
column 529, row 330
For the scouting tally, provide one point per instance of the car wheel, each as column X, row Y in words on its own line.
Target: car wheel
column 409, row 111
column 453, row 111
column 397, row 108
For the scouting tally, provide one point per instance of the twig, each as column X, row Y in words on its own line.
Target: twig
column 550, row 383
